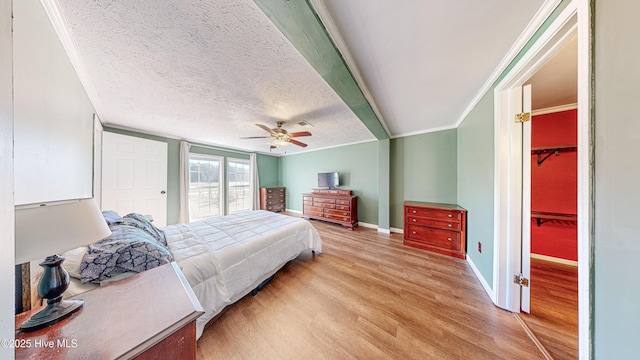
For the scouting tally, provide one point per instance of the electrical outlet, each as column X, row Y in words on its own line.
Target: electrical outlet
column 479, row 247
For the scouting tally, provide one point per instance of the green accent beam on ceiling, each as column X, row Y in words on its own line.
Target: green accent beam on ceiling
column 298, row 21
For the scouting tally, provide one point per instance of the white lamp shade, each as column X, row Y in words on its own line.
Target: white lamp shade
column 48, row 229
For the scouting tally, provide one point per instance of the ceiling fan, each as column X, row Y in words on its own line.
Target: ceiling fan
column 280, row 136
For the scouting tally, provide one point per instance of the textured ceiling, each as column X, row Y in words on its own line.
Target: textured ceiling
column 207, row 71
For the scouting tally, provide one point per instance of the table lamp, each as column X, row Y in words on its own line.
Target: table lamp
column 45, row 229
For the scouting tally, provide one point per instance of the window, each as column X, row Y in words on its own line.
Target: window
column 205, row 190
column 239, row 175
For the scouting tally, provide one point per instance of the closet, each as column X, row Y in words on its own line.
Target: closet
column 554, row 187
column 554, row 238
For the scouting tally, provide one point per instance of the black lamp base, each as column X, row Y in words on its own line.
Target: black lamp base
column 52, row 314
column 52, row 285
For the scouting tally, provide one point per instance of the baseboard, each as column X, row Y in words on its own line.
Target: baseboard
column 554, row 259
column 384, row 231
column 367, row 225
column 396, row 230
column 483, row 282
column 293, row 211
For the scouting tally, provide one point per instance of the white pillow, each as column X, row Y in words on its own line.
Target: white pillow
column 73, row 259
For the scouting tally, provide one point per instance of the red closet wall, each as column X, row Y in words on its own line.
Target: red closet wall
column 554, row 185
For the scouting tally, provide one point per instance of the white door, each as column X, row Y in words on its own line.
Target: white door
column 525, row 301
column 134, row 176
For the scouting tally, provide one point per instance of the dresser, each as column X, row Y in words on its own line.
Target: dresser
column 273, row 199
column 150, row 315
column 436, row 227
column 336, row 206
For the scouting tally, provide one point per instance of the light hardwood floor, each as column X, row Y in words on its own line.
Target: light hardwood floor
column 554, row 308
column 368, row 297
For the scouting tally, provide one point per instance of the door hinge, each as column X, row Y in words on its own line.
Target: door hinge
column 521, row 280
column 523, row 117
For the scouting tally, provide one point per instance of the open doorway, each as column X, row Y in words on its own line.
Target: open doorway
column 509, row 189
column 553, row 285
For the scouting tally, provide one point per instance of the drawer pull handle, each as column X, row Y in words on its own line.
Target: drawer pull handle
column 449, row 239
column 449, row 225
column 414, row 211
column 414, row 220
column 450, row 215
column 413, row 232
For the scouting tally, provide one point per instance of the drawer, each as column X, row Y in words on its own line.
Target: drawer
column 307, row 198
column 312, row 210
column 275, row 207
column 337, row 212
column 343, row 202
column 323, row 200
column 275, row 191
column 436, row 237
column 278, row 200
column 434, row 213
column 337, row 217
column 271, row 197
column 324, row 205
column 442, row 224
column 343, row 207
column 307, row 203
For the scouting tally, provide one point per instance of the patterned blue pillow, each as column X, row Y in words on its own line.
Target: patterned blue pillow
column 128, row 248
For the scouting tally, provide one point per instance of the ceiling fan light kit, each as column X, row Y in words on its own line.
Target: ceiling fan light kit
column 279, row 136
column 279, row 142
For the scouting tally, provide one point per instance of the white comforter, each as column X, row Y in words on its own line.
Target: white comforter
column 224, row 258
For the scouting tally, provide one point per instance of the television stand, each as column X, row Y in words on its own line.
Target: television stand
column 331, row 205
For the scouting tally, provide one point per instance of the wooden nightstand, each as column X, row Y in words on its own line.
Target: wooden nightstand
column 151, row 315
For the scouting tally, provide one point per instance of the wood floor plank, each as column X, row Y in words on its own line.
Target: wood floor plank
column 554, row 307
column 367, row 296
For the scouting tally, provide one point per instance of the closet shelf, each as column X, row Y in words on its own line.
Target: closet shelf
column 543, row 217
column 550, row 150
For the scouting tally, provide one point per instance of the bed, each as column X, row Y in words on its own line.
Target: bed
column 223, row 258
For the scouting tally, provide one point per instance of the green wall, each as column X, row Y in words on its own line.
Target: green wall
column 475, row 182
column 423, row 168
column 358, row 168
column 268, row 170
column 617, row 193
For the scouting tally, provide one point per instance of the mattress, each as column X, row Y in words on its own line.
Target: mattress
column 224, row 258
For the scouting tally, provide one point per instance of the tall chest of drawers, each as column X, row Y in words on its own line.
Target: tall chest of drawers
column 337, row 206
column 273, row 199
column 436, row 227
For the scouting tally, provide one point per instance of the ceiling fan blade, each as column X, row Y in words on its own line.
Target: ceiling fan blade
column 265, row 128
column 299, row 134
column 298, row 143
column 255, row 137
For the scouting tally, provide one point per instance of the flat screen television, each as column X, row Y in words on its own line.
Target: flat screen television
column 328, row 180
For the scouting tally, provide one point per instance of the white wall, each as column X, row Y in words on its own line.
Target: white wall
column 53, row 114
column 6, row 182
column 617, row 193
column 43, row 103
